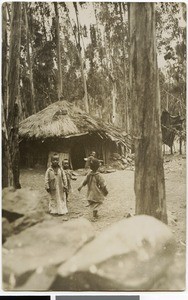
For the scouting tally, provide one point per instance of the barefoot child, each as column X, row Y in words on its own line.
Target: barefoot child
column 96, row 187
column 56, row 185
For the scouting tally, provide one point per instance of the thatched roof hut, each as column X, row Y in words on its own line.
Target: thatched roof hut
column 61, row 126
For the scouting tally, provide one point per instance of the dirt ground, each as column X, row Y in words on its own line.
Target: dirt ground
column 120, row 199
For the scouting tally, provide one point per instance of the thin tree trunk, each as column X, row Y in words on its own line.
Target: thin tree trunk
column 29, row 58
column 81, row 60
column 84, row 81
column 114, row 92
column 129, row 112
column 125, row 71
column 167, row 101
column 58, row 46
column 149, row 172
column 114, row 88
column 13, row 82
column 180, row 142
column 7, row 175
column 4, row 59
column 6, row 166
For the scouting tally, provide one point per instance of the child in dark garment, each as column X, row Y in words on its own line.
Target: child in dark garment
column 69, row 177
column 96, row 187
column 89, row 159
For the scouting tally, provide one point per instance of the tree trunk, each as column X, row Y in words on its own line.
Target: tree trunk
column 129, row 112
column 144, row 84
column 114, row 92
column 4, row 59
column 7, row 175
column 12, row 143
column 125, row 69
column 29, row 58
column 180, row 141
column 58, row 47
column 6, row 166
column 79, row 48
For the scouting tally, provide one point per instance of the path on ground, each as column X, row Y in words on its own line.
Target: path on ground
column 121, row 199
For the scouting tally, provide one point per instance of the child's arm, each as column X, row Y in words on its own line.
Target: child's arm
column 83, row 183
column 80, row 187
column 64, row 179
column 72, row 177
column 47, row 187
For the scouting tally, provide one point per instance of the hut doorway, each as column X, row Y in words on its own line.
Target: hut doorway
column 77, row 156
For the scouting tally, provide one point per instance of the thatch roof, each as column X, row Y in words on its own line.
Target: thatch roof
column 63, row 120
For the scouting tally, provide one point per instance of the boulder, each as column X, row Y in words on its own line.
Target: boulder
column 174, row 278
column 40, row 280
column 41, row 247
column 124, row 161
column 27, row 220
column 17, row 203
column 7, row 229
column 129, row 255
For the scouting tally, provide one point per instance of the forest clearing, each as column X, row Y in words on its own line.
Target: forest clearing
column 115, row 207
column 119, row 205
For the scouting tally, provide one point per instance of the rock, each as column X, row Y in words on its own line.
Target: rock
column 116, row 156
column 42, row 246
column 129, row 255
column 172, row 219
column 7, row 229
column 128, row 215
column 124, row 161
column 28, row 220
column 129, row 160
column 174, row 279
column 17, row 203
column 40, row 280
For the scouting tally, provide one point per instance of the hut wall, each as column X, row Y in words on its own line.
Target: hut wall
column 32, row 153
column 60, row 146
column 75, row 149
column 108, row 148
column 93, row 143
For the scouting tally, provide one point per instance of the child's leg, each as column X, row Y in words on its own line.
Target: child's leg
column 95, row 210
column 67, row 195
column 52, row 203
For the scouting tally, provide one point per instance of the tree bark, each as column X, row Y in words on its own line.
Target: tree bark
column 6, row 166
column 125, row 69
column 58, row 47
column 180, row 142
column 146, row 124
column 114, row 92
column 12, row 123
column 86, row 102
column 4, row 59
column 29, row 58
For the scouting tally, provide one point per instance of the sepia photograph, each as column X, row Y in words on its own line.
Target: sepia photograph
column 93, row 146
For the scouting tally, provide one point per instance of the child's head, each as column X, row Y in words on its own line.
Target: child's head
column 94, row 165
column 65, row 164
column 93, row 153
column 55, row 160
